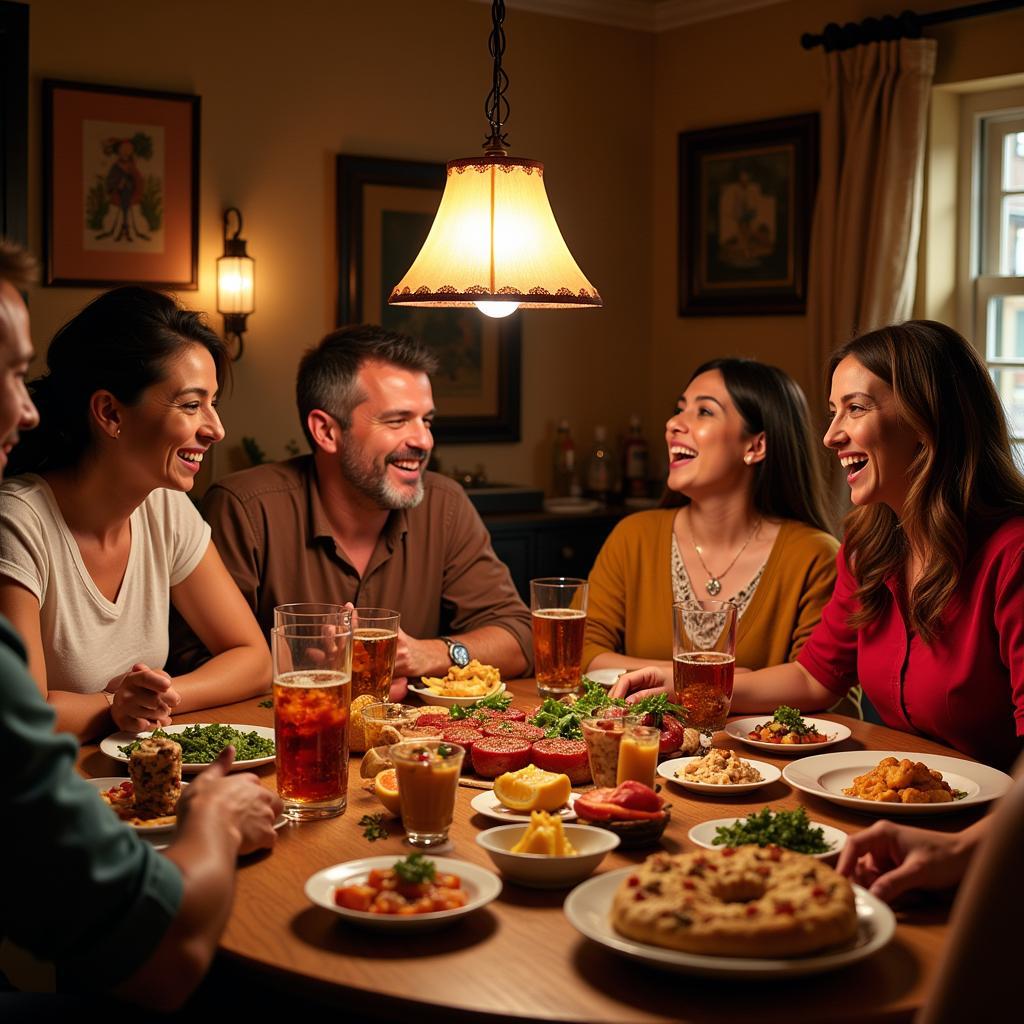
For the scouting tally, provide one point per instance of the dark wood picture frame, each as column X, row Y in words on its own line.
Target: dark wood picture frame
column 373, row 191
column 121, row 196
column 746, row 199
column 14, row 20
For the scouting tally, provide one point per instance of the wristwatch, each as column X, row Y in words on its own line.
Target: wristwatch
column 458, row 652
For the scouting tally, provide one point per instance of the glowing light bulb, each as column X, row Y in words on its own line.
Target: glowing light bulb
column 497, row 309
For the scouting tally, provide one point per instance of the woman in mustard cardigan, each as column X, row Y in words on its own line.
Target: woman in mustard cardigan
column 745, row 520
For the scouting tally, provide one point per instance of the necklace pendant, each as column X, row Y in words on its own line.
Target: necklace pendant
column 713, row 587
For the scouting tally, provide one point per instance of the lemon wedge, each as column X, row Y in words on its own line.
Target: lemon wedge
column 385, row 789
column 532, row 789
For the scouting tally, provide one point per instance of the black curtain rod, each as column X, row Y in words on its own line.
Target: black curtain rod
column 907, row 25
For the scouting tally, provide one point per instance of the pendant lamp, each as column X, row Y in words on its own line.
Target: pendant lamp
column 494, row 243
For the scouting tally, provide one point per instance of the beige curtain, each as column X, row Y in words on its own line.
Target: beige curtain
column 867, row 218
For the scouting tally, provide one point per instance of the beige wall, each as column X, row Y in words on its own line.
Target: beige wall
column 602, row 107
column 286, row 87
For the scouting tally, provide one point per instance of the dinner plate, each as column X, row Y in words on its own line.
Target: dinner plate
column 588, row 908
column 428, row 696
column 827, row 775
column 143, row 830
column 481, row 887
column 605, row 676
column 112, row 744
column 704, row 834
column 836, row 732
column 487, row 804
column 667, row 770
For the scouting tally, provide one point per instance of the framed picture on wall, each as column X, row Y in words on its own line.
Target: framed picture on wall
column 746, row 198
column 121, row 196
column 385, row 209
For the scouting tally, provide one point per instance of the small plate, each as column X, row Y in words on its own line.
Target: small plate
column 428, row 696
column 144, row 830
column 605, row 676
column 836, row 732
column 828, row 775
column 588, row 908
column 487, row 804
column 704, row 833
column 110, row 746
column 667, row 770
column 481, row 887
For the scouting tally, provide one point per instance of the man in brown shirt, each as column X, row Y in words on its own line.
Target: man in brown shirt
column 360, row 519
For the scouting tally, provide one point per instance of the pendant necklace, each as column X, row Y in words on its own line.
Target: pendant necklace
column 714, row 583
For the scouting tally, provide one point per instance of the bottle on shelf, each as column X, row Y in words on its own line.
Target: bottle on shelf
column 564, row 483
column 601, row 467
column 634, row 461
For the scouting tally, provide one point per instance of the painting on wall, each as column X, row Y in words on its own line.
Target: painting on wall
column 746, row 198
column 122, row 186
column 385, row 210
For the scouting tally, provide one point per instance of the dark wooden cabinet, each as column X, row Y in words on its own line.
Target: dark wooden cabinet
column 535, row 544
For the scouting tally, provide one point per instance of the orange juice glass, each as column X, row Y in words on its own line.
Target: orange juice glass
column 638, row 754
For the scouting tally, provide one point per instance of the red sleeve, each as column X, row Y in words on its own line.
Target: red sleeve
column 830, row 655
column 1009, row 621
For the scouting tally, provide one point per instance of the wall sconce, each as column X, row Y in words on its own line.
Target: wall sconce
column 494, row 243
column 236, row 273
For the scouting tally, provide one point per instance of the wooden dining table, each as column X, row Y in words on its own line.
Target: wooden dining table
column 519, row 958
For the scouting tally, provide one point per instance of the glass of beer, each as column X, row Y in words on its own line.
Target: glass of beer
column 559, row 612
column 428, row 776
column 310, row 613
column 374, row 642
column 703, row 659
column 312, row 693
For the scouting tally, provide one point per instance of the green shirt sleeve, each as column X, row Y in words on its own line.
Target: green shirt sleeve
column 80, row 888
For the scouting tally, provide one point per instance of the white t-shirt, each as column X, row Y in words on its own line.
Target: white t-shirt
column 87, row 640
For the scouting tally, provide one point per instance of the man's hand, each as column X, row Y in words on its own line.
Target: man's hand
column 643, row 682
column 891, row 860
column 415, row 658
column 143, row 698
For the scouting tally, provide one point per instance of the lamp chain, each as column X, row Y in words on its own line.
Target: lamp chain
column 496, row 106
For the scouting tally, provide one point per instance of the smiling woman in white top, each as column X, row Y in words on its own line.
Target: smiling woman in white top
column 99, row 537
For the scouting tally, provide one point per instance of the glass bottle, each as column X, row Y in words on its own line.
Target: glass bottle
column 564, row 481
column 601, row 467
column 634, row 461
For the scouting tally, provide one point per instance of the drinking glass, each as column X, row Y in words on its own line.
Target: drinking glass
column 376, row 716
column 559, row 612
column 374, row 643
column 428, row 776
column 638, row 753
column 703, row 659
column 310, row 613
column 312, row 693
column 603, row 734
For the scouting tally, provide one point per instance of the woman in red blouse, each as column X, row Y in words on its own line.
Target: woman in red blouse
column 928, row 609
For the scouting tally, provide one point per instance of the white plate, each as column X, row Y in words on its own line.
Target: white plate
column 704, row 833
column 481, row 887
column 143, row 830
column 110, row 745
column 667, row 770
column 429, row 697
column 829, row 774
column 834, row 730
column 487, row 804
column 588, row 908
column 605, row 676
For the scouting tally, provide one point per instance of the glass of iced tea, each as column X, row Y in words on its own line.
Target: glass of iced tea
column 428, row 776
column 559, row 612
column 374, row 642
column 703, row 660
column 312, row 693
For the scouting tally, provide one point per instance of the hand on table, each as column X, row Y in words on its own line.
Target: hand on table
column 239, row 800
column 143, row 698
column 415, row 658
column 643, row 682
column 891, row 860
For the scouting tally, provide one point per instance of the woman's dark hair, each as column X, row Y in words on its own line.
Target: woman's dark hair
column 788, row 482
column 121, row 343
column 963, row 473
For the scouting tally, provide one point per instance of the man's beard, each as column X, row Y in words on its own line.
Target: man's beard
column 367, row 479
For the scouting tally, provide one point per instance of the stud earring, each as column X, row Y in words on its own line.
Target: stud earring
column 118, row 432
column 748, row 459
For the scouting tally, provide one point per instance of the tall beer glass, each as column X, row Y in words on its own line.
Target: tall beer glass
column 312, row 693
column 703, row 660
column 374, row 643
column 310, row 613
column 559, row 612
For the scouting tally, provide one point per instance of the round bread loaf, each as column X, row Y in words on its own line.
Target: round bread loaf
column 745, row 902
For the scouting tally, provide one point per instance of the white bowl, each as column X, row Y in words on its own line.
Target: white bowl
column 428, row 696
column 537, row 870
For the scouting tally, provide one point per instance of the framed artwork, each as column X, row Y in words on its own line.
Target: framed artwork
column 746, row 198
column 385, row 209
column 121, row 190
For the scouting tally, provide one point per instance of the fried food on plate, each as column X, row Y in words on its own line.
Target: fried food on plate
column 474, row 680
column 908, row 782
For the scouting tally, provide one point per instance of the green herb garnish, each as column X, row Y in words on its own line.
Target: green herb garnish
column 789, row 829
column 658, row 706
column 268, row 703
column 790, row 719
column 563, row 720
column 201, row 744
column 415, row 869
column 959, row 794
column 373, row 827
column 495, row 702
column 445, row 750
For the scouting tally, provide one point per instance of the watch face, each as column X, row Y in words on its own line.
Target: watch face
column 459, row 654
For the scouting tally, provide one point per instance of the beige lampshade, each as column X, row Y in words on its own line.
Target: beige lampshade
column 495, row 238
column 236, row 289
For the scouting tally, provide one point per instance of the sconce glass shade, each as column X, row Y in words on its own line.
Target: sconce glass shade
column 495, row 240
column 236, row 290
